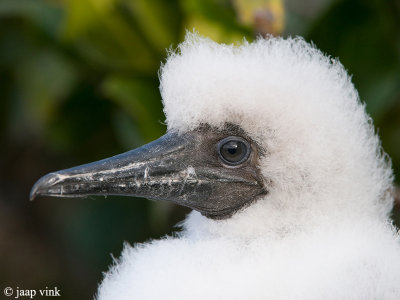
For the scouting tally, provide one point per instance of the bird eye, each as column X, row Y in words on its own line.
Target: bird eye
column 233, row 150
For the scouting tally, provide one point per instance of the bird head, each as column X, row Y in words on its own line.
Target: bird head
column 272, row 129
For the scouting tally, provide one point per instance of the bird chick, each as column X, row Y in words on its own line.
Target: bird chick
column 291, row 192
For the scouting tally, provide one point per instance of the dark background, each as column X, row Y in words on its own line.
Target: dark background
column 78, row 82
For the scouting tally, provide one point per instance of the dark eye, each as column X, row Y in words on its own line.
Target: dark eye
column 233, row 150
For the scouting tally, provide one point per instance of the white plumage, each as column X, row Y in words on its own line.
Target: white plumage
column 323, row 230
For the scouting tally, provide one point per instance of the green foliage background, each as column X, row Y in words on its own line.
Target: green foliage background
column 78, row 82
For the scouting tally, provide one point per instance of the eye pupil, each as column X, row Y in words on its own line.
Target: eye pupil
column 233, row 150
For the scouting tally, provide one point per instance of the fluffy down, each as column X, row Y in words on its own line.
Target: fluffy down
column 323, row 231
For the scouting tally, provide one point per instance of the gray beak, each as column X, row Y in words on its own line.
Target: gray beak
column 177, row 168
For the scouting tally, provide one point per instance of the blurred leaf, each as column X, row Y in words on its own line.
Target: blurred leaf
column 141, row 99
column 102, row 34
column 157, row 20
column 215, row 19
column 44, row 78
column 300, row 15
column 383, row 94
column 80, row 17
column 82, row 126
column 127, row 131
column 45, row 14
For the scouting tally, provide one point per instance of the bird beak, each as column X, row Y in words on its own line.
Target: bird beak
column 148, row 171
column 166, row 169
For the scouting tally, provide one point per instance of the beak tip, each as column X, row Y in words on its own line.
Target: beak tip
column 32, row 195
column 35, row 190
column 41, row 186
